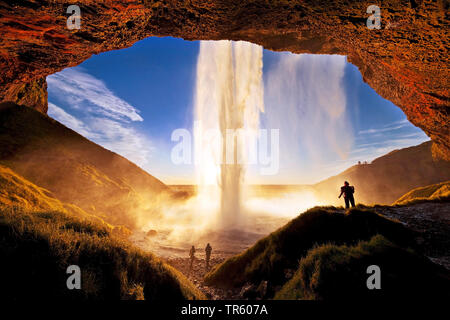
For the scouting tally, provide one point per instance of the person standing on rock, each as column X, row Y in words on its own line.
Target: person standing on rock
column 347, row 190
column 208, row 250
column 192, row 257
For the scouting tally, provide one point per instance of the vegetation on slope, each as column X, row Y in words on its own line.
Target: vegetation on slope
column 41, row 236
column 75, row 169
column 331, row 272
column 36, row 247
column 434, row 192
column 17, row 192
column 388, row 177
column 331, row 249
column 269, row 258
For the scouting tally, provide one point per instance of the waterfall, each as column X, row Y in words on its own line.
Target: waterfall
column 228, row 100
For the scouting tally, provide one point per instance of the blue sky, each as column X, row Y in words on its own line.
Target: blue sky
column 131, row 100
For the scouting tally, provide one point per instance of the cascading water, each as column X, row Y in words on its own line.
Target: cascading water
column 229, row 98
column 305, row 97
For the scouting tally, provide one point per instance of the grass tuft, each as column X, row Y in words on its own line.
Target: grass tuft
column 332, row 272
column 37, row 246
column 281, row 250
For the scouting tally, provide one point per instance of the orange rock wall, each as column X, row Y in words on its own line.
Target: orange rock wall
column 406, row 61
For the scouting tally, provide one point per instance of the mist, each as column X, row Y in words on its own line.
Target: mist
column 305, row 98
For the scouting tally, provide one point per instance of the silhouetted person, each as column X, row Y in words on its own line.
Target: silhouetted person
column 208, row 250
column 348, row 192
column 192, row 257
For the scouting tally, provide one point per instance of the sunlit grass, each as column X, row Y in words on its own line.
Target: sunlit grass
column 41, row 236
column 37, row 247
column 74, row 169
column 434, row 192
column 282, row 249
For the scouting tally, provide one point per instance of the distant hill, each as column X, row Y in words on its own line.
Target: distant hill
column 388, row 177
column 74, row 169
column 17, row 193
column 41, row 235
column 439, row 191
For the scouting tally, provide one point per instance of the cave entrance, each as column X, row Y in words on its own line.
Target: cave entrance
column 133, row 101
column 147, row 91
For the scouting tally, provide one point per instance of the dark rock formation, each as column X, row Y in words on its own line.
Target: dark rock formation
column 406, row 61
column 33, row 93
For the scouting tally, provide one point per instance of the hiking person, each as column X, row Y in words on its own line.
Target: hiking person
column 208, row 250
column 347, row 190
column 192, row 257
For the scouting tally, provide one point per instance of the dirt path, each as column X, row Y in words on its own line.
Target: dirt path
column 197, row 274
column 431, row 220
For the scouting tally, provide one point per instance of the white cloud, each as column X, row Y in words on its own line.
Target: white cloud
column 84, row 91
column 386, row 128
column 68, row 120
column 395, row 135
column 122, row 139
column 370, row 151
column 98, row 114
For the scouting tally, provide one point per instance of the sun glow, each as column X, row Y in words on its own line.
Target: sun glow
column 193, row 222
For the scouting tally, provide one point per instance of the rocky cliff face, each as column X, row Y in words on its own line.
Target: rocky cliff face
column 406, row 61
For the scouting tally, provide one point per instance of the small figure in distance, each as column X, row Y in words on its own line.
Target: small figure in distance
column 347, row 190
column 208, row 250
column 192, row 257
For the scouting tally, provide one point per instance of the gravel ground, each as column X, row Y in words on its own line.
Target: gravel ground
column 197, row 274
column 431, row 220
